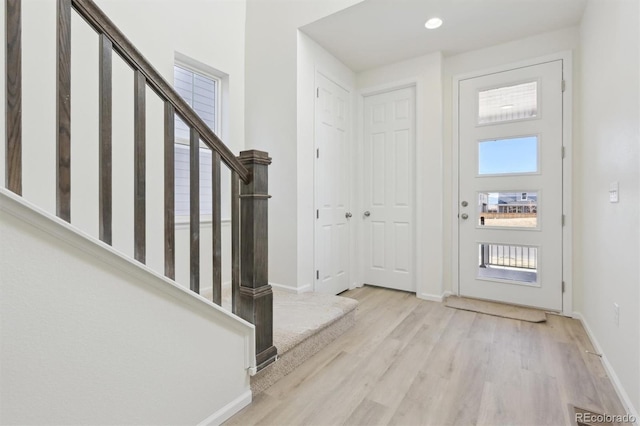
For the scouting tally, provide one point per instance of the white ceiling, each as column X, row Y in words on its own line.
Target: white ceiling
column 377, row 32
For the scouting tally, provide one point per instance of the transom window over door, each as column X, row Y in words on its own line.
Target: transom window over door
column 201, row 92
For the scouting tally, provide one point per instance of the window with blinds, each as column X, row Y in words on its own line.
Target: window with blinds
column 502, row 104
column 200, row 91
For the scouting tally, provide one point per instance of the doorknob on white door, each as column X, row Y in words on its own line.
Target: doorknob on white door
column 464, row 204
column 367, row 213
column 464, row 216
column 348, row 215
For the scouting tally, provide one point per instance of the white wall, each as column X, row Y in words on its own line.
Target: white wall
column 210, row 32
column 271, row 123
column 610, row 153
column 311, row 57
column 479, row 60
column 88, row 337
column 425, row 73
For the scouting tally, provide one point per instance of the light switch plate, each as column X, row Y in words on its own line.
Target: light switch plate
column 613, row 192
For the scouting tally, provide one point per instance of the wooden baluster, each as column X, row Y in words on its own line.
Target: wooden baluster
column 216, row 227
column 63, row 108
column 105, row 132
column 235, row 241
column 255, row 302
column 169, row 192
column 139, row 187
column 13, row 93
column 194, row 210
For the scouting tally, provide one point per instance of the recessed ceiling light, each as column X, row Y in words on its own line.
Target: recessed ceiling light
column 509, row 106
column 433, row 23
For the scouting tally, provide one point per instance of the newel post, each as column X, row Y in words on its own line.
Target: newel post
column 255, row 296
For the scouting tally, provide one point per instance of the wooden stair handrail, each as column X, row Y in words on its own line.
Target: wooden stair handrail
column 121, row 44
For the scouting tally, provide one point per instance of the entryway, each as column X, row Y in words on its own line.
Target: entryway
column 510, row 192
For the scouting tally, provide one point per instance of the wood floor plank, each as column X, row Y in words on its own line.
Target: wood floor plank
column 413, row 362
column 368, row 413
column 420, row 404
column 396, row 381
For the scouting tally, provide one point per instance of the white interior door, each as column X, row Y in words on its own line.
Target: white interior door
column 510, row 186
column 388, row 182
column 332, row 186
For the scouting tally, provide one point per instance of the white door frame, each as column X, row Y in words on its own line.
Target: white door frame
column 350, row 203
column 567, row 169
column 416, row 243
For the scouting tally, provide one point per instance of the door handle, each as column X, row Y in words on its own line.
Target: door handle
column 464, row 204
column 464, row 216
column 348, row 215
column 367, row 213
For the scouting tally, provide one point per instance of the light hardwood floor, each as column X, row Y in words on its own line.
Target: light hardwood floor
column 413, row 362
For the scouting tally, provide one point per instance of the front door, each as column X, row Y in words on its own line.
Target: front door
column 331, row 186
column 510, row 186
column 388, row 183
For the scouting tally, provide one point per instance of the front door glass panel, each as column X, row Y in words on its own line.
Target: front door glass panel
column 518, row 209
column 508, row 156
column 511, row 263
column 508, row 103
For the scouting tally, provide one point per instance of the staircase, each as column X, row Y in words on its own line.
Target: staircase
column 28, row 278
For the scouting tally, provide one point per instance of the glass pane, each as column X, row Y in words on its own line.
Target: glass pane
column 200, row 92
column 508, row 262
column 518, row 102
column 508, row 209
column 502, row 156
column 182, row 181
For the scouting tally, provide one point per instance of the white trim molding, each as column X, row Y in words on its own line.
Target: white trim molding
column 226, row 412
column 290, row 289
column 615, row 380
column 430, row 297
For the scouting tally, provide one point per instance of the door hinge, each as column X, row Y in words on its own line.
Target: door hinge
column 563, row 286
column 563, row 152
column 317, row 274
column 318, row 92
column 564, row 86
column 317, row 152
column 317, row 213
column 563, row 220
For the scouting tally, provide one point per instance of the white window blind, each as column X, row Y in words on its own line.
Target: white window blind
column 201, row 93
column 517, row 102
column 182, row 180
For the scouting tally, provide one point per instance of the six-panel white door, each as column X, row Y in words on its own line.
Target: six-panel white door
column 388, row 189
column 510, row 186
column 332, row 186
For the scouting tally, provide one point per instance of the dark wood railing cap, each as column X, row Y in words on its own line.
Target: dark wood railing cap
column 253, row 156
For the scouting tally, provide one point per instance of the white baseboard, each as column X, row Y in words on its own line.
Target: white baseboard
column 297, row 290
column 430, row 297
column 434, row 297
column 228, row 410
column 617, row 385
